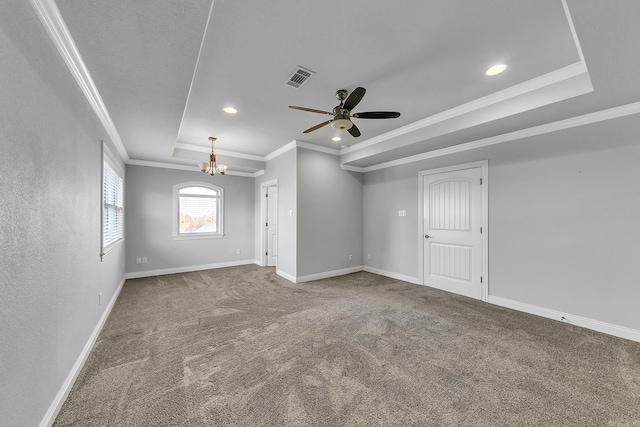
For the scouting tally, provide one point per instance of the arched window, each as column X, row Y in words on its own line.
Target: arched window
column 198, row 210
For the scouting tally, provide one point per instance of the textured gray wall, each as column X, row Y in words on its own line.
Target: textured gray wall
column 50, row 268
column 149, row 220
column 562, row 228
column 564, row 234
column 391, row 240
column 329, row 214
column 284, row 169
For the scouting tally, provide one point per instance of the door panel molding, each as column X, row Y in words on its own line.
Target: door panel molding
column 484, row 168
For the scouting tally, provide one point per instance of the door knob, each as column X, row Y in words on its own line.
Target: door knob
column 426, row 236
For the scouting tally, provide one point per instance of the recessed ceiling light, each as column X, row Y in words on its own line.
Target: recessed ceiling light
column 336, row 138
column 229, row 110
column 496, row 69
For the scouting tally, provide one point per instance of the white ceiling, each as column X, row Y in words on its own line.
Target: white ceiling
column 166, row 68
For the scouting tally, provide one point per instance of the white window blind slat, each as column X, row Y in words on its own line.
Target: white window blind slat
column 113, row 206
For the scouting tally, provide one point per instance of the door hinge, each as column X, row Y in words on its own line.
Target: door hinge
column 266, row 195
column 480, row 279
column 266, row 224
column 480, row 181
column 266, row 253
column 480, row 230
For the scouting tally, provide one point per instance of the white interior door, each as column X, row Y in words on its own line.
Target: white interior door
column 453, row 247
column 272, row 225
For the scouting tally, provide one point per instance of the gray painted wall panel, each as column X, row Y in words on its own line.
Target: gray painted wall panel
column 330, row 214
column 562, row 230
column 390, row 239
column 565, row 235
column 284, row 169
column 50, row 268
column 149, row 220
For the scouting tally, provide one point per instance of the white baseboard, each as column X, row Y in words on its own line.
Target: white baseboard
column 56, row 405
column 327, row 274
column 187, row 269
column 287, row 276
column 596, row 325
column 392, row 275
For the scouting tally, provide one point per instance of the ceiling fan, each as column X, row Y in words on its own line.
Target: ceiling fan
column 342, row 113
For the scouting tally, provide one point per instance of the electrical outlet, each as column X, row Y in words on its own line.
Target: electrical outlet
column 144, row 259
column 237, row 251
column 402, row 213
column 368, row 256
column 138, row 260
column 350, row 257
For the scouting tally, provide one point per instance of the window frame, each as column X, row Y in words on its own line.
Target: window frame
column 108, row 159
column 176, row 212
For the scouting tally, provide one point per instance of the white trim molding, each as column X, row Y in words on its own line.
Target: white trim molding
column 187, row 269
column 286, row 275
column 56, row 405
column 320, row 148
column 392, row 275
column 203, row 149
column 586, row 119
column 51, row 19
column 540, row 83
column 328, row 274
column 192, row 168
column 595, row 325
column 280, row 151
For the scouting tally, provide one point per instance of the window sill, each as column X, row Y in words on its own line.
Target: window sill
column 110, row 249
column 198, row 237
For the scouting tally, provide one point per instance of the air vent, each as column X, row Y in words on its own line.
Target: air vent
column 299, row 77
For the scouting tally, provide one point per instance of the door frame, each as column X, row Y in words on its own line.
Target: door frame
column 264, row 238
column 484, row 190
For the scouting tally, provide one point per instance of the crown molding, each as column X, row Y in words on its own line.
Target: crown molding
column 188, row 168
column 512, row 92
column 163, row 165
column 573, row 31
column 319, row 148
column 349, row 168
column 202, row 149
column 586, row 119
column 280, row 151
column 49, row 15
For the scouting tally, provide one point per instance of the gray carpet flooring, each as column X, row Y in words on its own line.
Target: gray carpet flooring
column 241, row 346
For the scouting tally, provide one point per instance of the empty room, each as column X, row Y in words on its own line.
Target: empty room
column 319, row 213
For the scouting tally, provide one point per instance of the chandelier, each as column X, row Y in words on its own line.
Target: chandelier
column 212, row 167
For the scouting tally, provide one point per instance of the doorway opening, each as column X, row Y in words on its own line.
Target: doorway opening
column 269, row 222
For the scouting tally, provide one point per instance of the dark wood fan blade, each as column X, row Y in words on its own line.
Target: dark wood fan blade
column 311, row 110
column 354, row 98
column 377, row 115
column 317, row 126
column 354, row 131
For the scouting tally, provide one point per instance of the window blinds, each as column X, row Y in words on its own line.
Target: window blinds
column 113, row 206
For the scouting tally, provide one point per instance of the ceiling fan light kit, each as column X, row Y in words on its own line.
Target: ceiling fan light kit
column 342, row 113
column 342, row 124
column 212, row 167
